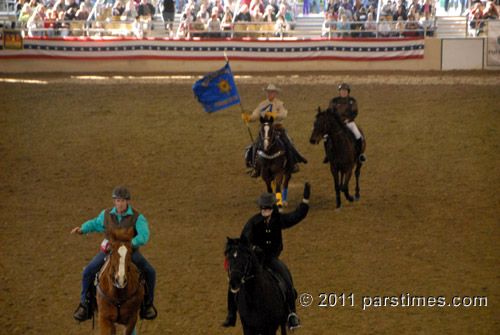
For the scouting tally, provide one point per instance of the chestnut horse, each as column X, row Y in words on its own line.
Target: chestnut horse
column 340, row 151
column 271, row 158
column 120, row 288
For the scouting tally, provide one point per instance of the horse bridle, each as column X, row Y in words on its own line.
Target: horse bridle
column 246, row 273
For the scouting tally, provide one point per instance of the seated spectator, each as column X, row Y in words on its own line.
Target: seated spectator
column 62, row 28
column 384, row 28
column 146, row 9
column 70, row 14
column 343, row 26
column 227, row 22
column 358, row 19
column 70, row 4
column 386, row 10
column 416, row 6
column 281, row 26
column 401, row 11
column 40, row 9
column 477, row 24
column 186, row 23
column 411, row 27
column 117, row 9
column 256, row 4
column 287, row 15
column 348, row 8
column 347, row 13
column 370, row 27
column 329, row 26
column 35, row 25
column 333, row 7
column 400, row 27
column 50, row 22
column 218, row 5
column 491, row 11
column 256, row 15
column 427, row 7
column 269, row 16
column 427, row 23
column 199, row 28
column 213, row 25
column 82, row 14
column 203, row 16
column 130, row 13
column 25, row 13
column 243, row 15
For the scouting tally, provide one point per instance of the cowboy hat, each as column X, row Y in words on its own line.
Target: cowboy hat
column 267, row 200
column 271, row 87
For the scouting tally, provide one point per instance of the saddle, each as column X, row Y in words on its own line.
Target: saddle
column 278, row 281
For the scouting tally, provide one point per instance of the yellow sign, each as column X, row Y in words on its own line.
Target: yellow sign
column 12, row 39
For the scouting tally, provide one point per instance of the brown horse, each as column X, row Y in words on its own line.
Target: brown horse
column 340, row 151
column 271, row 158
column 120, row 289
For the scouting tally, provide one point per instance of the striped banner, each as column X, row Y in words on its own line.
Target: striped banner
column 206, row 49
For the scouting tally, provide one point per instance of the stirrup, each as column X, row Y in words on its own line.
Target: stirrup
column 81, row 313
column 292, row 327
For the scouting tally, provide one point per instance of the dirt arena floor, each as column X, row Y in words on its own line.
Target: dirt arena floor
column 427, row 224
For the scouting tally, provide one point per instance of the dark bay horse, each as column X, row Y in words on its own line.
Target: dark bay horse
column 271, row 158
column 120, row 289
column 261, row 304
column 340, row 151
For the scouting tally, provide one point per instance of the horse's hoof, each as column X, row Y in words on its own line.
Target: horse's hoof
column 285, row 203
column 337, row 209
column 356, row 198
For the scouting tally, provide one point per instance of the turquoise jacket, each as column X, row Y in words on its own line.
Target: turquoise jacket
column 141, row 226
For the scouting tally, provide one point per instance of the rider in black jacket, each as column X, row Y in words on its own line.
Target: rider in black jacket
column 263, row 230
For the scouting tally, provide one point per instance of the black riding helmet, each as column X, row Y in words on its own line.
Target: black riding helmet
column 121, row 192
column 345, row 86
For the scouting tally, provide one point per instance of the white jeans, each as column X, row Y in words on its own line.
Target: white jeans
column 352, row 126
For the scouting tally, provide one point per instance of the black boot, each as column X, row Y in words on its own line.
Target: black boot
column 148, row 312
column 359, row 149
column 81, row 313
column 230, row 320
column 231, row 310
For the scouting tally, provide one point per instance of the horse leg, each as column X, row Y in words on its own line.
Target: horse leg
column 284, row 193
column 357, row 173
column 129, row 328
column 278, row 181
column 335, row 174
column 106, row 327
column 345, row 185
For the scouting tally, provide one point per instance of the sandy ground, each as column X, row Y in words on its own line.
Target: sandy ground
column 427, row 224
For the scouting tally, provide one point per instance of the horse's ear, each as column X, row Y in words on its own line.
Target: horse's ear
column 229, row 242
column 245, row 241
column 271, row 119
column 262, row 120
column 319, row 109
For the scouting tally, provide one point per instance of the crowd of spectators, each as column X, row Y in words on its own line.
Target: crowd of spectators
column 221, row 18
column 215, row 19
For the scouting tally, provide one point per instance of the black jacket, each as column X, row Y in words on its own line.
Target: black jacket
column 267, row 235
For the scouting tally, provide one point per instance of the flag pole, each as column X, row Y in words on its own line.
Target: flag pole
column 241, row 106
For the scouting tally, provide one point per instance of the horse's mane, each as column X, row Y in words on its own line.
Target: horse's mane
column 331, row 114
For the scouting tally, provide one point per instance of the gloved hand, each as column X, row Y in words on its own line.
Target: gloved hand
column 307, row 191
column 271, row 115
column 245, row 117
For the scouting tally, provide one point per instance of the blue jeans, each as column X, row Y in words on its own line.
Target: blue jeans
column 137, row 258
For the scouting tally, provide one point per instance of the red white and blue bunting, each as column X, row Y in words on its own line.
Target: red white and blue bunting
column 236, row 49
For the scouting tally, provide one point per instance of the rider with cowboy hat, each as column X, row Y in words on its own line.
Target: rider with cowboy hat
column 347, row 107
column 275, row 108
column 123, row 216
column 264, row 231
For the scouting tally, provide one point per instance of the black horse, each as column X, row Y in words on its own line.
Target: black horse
column 340, row 151
column 271, row 158
column 261, row 303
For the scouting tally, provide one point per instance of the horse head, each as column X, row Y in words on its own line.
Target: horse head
column 320, row 127
column 241, row 262
column 267, row 131
column 120, row 255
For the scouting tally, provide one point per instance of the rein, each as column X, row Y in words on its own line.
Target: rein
column 119, row 303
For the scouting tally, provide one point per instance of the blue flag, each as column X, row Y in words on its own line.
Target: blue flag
column 217, row 90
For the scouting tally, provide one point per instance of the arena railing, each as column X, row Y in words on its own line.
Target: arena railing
column 122, row 28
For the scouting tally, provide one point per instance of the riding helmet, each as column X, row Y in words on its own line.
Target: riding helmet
column 121, row 192
column 345, row 86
